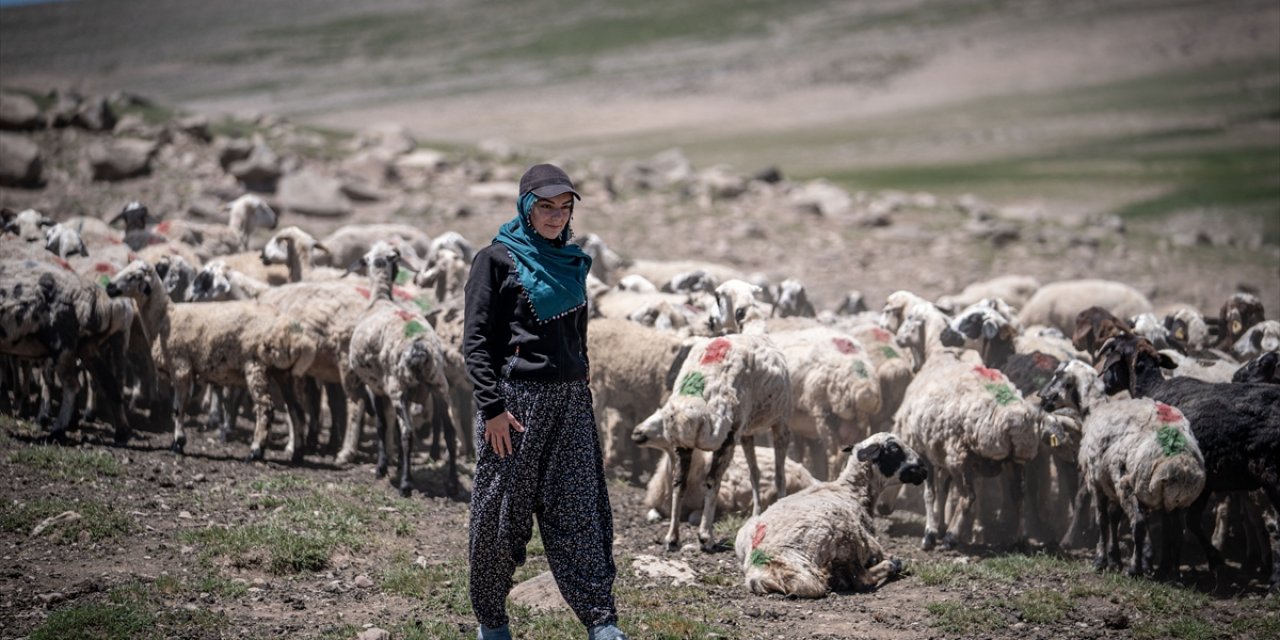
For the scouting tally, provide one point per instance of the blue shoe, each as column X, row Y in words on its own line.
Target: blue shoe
column 495, row 633
column 606, row 632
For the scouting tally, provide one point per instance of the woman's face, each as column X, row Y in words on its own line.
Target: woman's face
column 550, row 215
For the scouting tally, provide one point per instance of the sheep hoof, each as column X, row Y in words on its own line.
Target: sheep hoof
column 895, row 567
column 294, row 456
column 57, row 436
column 672, row 545
column 405, row 490
column 380, row 471
column 255, row 455
column 121, row 437
column 930, row 540
column 949, row 541
column 178, row 445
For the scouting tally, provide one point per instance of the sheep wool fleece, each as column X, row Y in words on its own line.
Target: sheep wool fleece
column 555, row 473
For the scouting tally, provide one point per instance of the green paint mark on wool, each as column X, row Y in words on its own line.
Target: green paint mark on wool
column 889, row 352
column 1003, row 394
column 413, row 328
column 104, row 280
column 693, row 384
column 402, row 277
column 295, row 327
column 860, row 369
column 423, row 303
column 759, row 558
column 1172, row 442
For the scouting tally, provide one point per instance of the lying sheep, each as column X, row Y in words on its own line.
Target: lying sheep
column 729, row 390
column 1057, row 304
column 28, row 224
column 735, row 488
column 244, row 214
column 1015, row 290
column 349, row 243
column 1188, row 330
column 1138, row 454
column 1265, row 368
column 1236, row 425
column 399, row 359
column 823, row 538
column 62, row 241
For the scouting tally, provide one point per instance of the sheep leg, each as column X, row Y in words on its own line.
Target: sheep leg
column 1257, row 541
column 1171, row 544
column 379, row 406
column 440, row 414
column 1138, row 529
column 260, row 393
column 1195, row 514
column 110, row 396
column 297, row 420
column 1103, row 514
column 935, row 504
column 1224, row 513
column 44, row 416
column 1081, row 529
column 825, row 424
column 963, row 528
column 1272, row 489
column 351, row 440
column 715, row 473
column 309, row 390
column 781, row 441
column 679, row 476
column 406, row 442
column 753, row 470
column 1016, row 479
column 337, row 398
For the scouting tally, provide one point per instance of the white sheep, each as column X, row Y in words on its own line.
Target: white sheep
column 834, row 390
column 1258, row 339
column 218, row 282
column 1014, row 290
column 735, row 487
column 1057, row 304
column 348, row 244
column 962, row 417
column 823, row 538
column 792, row 300
column 240, row 344
column 28, row 224
column 1188, row 329
column 399, row 359
column 1139, row 454
column 244, row 214
column 296, row 249
column 1207, row 369
column 729, row 390
column 62, row 241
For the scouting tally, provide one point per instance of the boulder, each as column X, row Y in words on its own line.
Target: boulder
column 261, row 170
column 822, row 198
column 539, row 593
column 95, row 115
column 18, row 112
column 232, row 150
column 121, row 158
column 309, row 193
column 20, row 161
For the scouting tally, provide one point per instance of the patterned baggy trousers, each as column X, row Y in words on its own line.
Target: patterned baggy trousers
column 556, row 473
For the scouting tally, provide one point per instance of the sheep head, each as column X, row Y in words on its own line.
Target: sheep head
column 882, row 461
column 1239, row 312
column 64, row 241
column 1187, row 330
column 1125, row 359
column 212, row 283
column 135, row 216
column 249, row 211
column 138, row 280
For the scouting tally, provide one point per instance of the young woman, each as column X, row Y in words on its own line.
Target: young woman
column 525, row 343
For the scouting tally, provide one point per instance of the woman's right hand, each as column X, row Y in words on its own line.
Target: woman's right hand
column 497, row 432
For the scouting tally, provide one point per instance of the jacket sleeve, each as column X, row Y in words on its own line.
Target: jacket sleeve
column 582, row 331
column 481, row 342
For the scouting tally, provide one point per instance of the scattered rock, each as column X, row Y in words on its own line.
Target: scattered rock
column 674, row 572
column 260, row 170
column 95, row 115
column 539, row 593
column 20, row 161
column 18, row 111
column 1115, row 620
column 54, row 522
column 121, row 158
column 309, row 193
column 374, row 634
column 363, row 582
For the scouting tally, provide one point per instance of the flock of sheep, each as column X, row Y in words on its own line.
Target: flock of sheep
column 1077, row 399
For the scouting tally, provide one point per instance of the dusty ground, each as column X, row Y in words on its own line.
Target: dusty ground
column 167, row 497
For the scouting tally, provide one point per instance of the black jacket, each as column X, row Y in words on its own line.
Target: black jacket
column 502, row 339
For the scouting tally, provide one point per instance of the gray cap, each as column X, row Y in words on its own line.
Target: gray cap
column 547, row 181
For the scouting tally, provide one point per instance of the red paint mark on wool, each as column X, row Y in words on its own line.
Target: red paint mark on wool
column 104, row 267
column 990, row 374
column 1167, row 413
column 363, row 292
column 881, row 334
column 63, row 263
column 716, row 351
column 845, row 345
column 1042, row 361
column 163, row 227
column 758, row 536
column 401, row 293
column 404, row 315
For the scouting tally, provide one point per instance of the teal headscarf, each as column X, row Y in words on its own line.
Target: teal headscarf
column 553, row 274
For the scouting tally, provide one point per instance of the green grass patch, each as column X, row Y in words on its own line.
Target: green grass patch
column 134, row 612
column 67, row 463
column 103, row 522
column 299, row 535
column 965, row 619
column 1042, row 606
column 442, row 587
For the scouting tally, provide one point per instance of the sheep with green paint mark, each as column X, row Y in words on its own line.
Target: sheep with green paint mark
column 1139, row 454
column 729, row 390
column 399, row 359
column 965, row 420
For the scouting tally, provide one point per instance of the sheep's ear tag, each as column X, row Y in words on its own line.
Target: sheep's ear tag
column 1053, row 440
column 1235, row 326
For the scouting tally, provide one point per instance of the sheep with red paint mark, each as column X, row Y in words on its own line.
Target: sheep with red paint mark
column 823, row 538
column 729, row 390
column 1138, row 454
column 735, row 488
column 399, row 359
